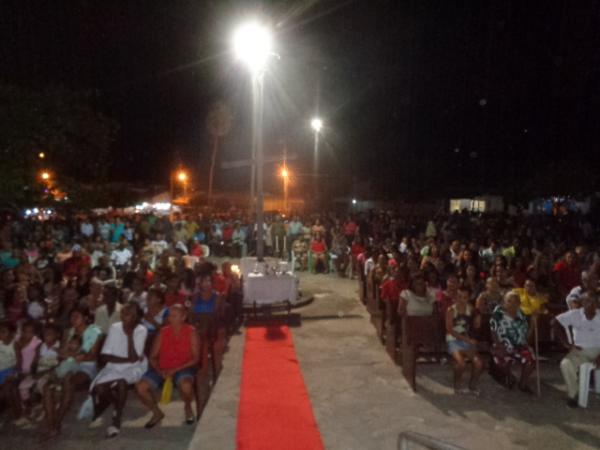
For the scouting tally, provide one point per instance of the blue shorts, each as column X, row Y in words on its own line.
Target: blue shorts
column 458, row 345
column 156, row 380
column 4, row 374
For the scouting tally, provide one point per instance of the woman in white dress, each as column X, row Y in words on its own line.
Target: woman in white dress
column 123, row 352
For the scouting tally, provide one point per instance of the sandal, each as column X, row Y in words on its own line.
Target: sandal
column 112, row 432
column 154, row 421
column 190, row 420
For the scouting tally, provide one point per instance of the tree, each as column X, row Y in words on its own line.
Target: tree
column 73, row 136
column 218, row 124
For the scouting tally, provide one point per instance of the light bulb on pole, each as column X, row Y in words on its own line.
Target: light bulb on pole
column 252, row 45
column 316, row 124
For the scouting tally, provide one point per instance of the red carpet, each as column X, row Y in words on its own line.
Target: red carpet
column 275, row 411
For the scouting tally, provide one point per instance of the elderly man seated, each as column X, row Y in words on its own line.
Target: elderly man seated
column 584, row 345
column 589, row 282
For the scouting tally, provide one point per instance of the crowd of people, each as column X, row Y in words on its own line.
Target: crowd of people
column 109, row 302
column 509, row 275
column 101, row 305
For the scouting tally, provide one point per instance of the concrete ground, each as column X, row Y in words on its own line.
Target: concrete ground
column 359, row 397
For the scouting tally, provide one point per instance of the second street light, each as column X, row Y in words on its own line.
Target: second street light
column 316, row 124
column 285, row 175
column 252, row 45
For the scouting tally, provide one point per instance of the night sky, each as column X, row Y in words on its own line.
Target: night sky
column 417, row 96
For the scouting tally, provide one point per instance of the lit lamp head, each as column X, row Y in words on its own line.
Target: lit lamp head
column 316, row 124
column 41, row 155
column 182, row 176
column 45, row 175
column 285, row 173
column 253, row 44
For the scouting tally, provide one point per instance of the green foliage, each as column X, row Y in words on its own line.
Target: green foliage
column 73, row 135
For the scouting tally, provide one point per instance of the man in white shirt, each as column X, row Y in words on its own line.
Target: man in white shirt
column 86, row 228
column 121, row 256
column 589, row 282
column 585, row 343
column 109, row 312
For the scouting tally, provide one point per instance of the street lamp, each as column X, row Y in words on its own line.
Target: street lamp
column 252, row 45
column 41, row 155
column 182, row 177
column 45, row 175
column 285, row 174
column 316, row 124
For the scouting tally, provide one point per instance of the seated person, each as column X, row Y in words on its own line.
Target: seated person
column 8, row 368
column 510, row 332
column 585, row 344
column 205, row 306
column 81, row 370
column 123, row 353
column 589, row 282
column 300, row 250
column 318, row 248
column 489, row 298
column 27, row 349
column 532, row 301
column 340, row 252
column 460, row 319
column 175, row 354
column 418, row 299
column 155, row 313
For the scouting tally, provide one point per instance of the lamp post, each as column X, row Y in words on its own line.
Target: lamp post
column 316, row 124
column 183, row 178
column 285, row 174
column 252, row 44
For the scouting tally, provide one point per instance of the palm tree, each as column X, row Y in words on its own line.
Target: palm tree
column 218, row 124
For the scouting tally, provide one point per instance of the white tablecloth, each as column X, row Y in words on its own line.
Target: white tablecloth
column 247, row 265
column 267, row 289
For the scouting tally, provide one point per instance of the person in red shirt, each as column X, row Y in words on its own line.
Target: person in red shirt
column 356, row 249
column 228, row 233
column 567, row 274
column 318, row 248
column 390, row 288
column 173, row 295
column 220, row 283
column 350, row 229
column 72, row 265
column 175, row 354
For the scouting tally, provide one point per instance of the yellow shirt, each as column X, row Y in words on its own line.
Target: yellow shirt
column 531, row 304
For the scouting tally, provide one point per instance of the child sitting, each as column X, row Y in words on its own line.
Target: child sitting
column 27, row 347
column 46, row 358
column 69, row 364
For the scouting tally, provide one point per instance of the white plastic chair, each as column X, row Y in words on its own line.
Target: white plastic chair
column 585, row 372
column 205, row 250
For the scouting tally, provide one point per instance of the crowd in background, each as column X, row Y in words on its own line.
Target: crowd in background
column 111, row 301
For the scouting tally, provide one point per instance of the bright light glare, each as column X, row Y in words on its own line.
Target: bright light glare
column 284, row 173
column 316, row 124
column 182, row 176
column 354, row 201
column 252, row 44
column 41, row 155
column 45, row 176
